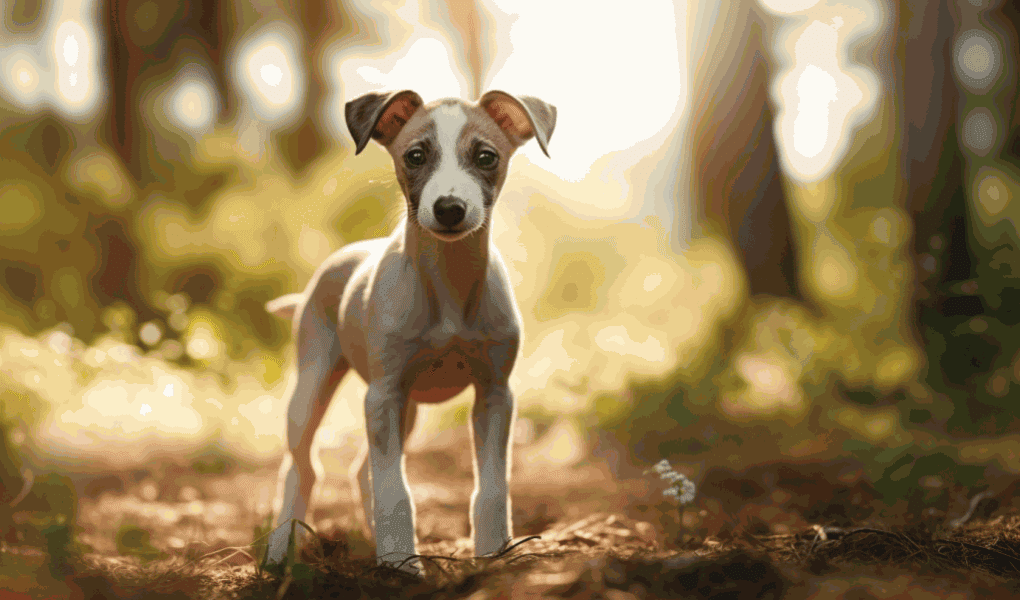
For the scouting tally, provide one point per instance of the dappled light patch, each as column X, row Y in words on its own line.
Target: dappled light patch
column 23, row 208
column 112, row 394
column 98, row 172
column 575, row 281
column 125, row 408
column 616, row 339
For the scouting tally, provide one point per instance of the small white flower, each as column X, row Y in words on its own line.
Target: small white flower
column 680, row 487
column 687, row 492
column 673, row 477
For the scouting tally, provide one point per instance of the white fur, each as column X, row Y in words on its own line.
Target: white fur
column 450, row 179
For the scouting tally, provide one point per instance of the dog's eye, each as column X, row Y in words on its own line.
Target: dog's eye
column 415, row 157
column 486, row 159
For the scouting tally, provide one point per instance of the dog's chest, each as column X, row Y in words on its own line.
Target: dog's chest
column 452, row 357
column 452, row 334
column 436, row 379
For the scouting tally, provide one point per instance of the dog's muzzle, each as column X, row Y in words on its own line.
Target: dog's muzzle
column 449, row 211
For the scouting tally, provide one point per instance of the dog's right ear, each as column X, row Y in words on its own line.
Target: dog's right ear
column 379, row 116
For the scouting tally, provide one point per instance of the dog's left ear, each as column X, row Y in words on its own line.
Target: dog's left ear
column 379, row 116
column 521, row 117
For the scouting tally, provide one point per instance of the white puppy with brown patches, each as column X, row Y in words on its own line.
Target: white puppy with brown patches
column 420, row 315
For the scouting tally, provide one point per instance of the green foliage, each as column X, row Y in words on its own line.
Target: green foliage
column 214, row 460
column 577, row 277
column 19, row 405
column 52, row 505
column 53, row 494
column 664, row 423
column 970, row 320
column 919, row 416
column 367, row 215
column 133, row 540
column 260, row 540
column 84, row 244
column 60, row 546
column 900, row 479
column 610, row 410
column 971, row 359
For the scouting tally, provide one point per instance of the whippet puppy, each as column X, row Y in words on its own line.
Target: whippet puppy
column 420, row 315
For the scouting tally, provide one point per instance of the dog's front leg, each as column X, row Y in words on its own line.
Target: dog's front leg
column 491, row 421
column 385, row 409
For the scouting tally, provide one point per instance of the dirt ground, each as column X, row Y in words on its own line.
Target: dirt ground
column 169, row 531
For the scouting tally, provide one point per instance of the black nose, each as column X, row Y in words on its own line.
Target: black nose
column 449, row 210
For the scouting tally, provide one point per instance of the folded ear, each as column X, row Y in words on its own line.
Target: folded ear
column 379, row 116
column 521, row 117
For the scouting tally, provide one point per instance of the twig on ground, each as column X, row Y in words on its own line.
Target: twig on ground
column 957, row 523
column 940, row 550
column 507, row 547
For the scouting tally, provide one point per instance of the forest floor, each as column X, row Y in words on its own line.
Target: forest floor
column 787, row 530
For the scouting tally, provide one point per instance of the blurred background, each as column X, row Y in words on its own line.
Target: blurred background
column 773, row 230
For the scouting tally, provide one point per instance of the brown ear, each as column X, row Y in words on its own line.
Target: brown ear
column 379, row 116
column 521, row 117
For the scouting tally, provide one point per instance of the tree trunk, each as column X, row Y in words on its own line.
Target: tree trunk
column 737, row 184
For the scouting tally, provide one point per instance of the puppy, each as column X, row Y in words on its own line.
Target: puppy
column 420, row 315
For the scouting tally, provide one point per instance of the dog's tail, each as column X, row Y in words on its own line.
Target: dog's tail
column 284, row 306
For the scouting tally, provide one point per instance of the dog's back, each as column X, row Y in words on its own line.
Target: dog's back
column 329, row 281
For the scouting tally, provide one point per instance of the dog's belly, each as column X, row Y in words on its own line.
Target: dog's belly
column 441, row 378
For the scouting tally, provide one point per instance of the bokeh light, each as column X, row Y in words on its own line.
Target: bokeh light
column 772, row 382
column 20, row 77
column 615, row 97
column 787, row 6
column 822, row 95
column 834, row 270
column 146, row 15
column 995, row 191
column 815, row 90
column 150, row 333
column 270, row 76
column 191, row 103
column 643, row 102
column 994, row 195
column 20, row 80
column 75, row 52
column 979, row 131
column 56, row 66
column 22, row 207
column 98, row 171
column 978, row 61
column 407, row 70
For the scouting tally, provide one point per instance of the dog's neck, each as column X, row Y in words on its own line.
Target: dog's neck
column 454, row 272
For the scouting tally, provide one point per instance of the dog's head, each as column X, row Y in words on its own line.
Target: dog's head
column 450, row 156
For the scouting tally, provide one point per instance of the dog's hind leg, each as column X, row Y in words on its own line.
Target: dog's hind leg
column 320, row 369
column 360, row 474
